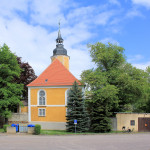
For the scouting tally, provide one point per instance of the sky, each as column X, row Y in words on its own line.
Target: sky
column 30, row 28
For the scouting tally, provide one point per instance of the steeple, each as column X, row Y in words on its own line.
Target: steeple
column 59, row 50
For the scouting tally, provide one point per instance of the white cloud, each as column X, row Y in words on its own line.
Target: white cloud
column 31, row 40
column 35, row 44
column 30, row 43
column 79, row 61
column 104, row 17
column 145, row 3
column 137, row 61
column 134, row 58
column 111, row 40
column 82, row 14
column 142, row 66
column 8, row 8
column 133, row 13
column 115, row 2
column 47, row 12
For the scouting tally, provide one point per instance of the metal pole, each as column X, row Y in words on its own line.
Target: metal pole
column 75, row 128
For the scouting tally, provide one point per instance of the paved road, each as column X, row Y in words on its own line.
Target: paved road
column 76, row 142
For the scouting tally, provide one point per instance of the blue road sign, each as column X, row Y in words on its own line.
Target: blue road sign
column 75, row 121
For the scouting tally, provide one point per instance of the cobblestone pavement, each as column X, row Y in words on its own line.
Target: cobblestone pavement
column 139, row 141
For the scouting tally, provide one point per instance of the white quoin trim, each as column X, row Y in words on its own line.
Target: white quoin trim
column 29, row 105
column 66, row 95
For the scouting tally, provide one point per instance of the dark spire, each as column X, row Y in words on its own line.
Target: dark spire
column 59, row 50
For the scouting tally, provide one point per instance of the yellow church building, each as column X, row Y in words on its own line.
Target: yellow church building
column 47, row 94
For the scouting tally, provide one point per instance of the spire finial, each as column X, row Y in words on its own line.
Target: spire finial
column 59, row 40
column 59, row 50
column 59, row 34
column 59, row 24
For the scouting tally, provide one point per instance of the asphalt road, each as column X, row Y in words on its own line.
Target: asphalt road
column 140, row 141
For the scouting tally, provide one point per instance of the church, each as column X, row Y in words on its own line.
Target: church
column 47, row 94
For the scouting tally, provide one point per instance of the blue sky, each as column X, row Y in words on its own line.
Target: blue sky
column 29, row 28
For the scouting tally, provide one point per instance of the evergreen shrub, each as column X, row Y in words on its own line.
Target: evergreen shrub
column 37, row 129
column 5, row 127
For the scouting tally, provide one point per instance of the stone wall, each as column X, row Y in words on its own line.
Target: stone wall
column 17, row 118
column 11, row 130
column 114, row 123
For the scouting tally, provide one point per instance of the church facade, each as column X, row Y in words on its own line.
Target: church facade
column 47, row 94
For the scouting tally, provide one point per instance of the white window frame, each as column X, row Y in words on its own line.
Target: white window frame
column 38, row 97
column 41, row 115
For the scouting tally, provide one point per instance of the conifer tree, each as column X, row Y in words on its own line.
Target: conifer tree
column 76, row 110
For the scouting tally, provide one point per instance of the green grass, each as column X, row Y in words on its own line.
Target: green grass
column 55, row 132
column 63, row 132
column 1, row 130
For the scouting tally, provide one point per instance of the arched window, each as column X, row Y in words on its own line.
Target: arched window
column 42, row 97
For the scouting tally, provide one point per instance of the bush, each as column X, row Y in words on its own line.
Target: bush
column 5, row 127
column 37, row 129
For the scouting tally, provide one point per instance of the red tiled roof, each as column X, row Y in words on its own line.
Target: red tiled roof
column 55, row 75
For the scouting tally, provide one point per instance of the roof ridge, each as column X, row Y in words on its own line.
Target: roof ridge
column 63, row 76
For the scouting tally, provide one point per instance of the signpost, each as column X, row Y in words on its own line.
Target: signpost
column 75, row 123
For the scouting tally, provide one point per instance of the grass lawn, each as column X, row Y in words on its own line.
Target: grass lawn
column 63, row 132
column 55, row 132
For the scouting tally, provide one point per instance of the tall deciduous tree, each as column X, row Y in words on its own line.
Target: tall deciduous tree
column 10, row 91
column 27, row 76
column 147, row 105
column 76, row 110
column 114, row 85
column 101, row 98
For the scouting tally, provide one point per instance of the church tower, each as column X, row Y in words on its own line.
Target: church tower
column 47, row 94
column 60, row 52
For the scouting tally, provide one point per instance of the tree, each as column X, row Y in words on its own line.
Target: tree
column 113, row 86
column 101, row 98
column 76, row 110
column 27, row 76
column 10, row 91
column 147, row 105
column 133, row 88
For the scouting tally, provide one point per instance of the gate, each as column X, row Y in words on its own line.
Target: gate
column 114, row 123
column 23, row 129
column 143, row 124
